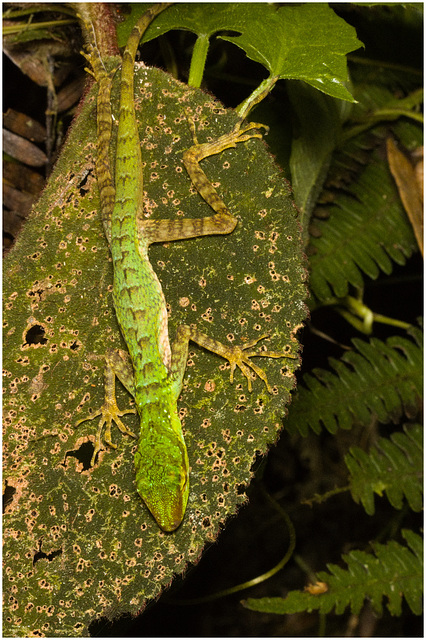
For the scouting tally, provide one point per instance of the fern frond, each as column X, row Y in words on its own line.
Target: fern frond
column 394, row 466
column 366, row 231
column 383, row 379
column 393, row 571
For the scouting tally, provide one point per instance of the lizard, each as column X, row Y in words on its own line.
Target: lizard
column 152, row 370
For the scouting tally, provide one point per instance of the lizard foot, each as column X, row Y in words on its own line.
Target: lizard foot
column 109, row 413
column 240, row 133
column 239, row 356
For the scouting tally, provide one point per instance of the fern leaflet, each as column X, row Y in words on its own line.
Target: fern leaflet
column 366, row 231
column 395, row 465
column 383, row 379
column 393, row 571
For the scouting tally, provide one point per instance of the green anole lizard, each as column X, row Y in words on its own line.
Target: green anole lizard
column 154, row 372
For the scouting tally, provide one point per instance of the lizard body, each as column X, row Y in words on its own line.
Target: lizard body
column 154, row 375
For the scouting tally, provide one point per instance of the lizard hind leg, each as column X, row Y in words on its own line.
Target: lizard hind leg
column 237, row 355
column 240, row 132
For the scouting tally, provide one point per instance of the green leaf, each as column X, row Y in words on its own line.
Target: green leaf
column 392, row 572
column 394, row 466
column 79, row 542
column 377, row 378
column 378, row 103
column 306, row 42
column 367, row 230
column 316, row 125
column 204, row 20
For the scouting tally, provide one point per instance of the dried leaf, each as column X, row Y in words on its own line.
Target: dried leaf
column 406, row 180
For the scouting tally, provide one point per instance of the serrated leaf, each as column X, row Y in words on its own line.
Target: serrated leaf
column 394, row 466
column 78, row 539
column 392, row 572
column 383, row 379
column 306, row 42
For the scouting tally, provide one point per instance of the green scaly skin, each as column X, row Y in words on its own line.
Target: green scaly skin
column 154, row 376
column 162, row 478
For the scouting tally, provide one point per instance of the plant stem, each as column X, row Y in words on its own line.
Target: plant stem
column 356, row 309
column 360, row 316
column 198, row 61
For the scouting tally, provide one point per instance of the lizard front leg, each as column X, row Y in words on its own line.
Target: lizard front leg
column 117, row 364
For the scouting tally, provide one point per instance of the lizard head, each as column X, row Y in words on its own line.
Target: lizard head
column 162, row 471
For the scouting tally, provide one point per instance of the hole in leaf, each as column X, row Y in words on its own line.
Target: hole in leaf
column 81, row 185
column 39, row 555
column 36, row 292
column 240, row 489
column 8, row 494
column 83, row 454
column 35, row 335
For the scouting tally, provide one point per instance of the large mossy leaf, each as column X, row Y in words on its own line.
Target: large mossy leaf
column 79, row 542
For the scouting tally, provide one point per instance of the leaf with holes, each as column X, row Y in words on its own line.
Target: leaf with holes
column 80, row 535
